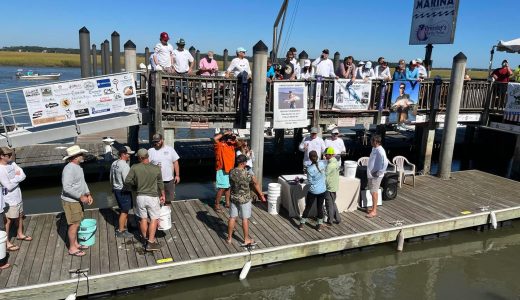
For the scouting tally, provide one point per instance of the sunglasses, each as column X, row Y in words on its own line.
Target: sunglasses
column 401, row 88
column 9, row 154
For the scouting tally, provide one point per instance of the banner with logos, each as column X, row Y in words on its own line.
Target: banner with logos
column 512, row 109
column 290, row 105
column 433, row 22
column 80, row 99
column 351, row 95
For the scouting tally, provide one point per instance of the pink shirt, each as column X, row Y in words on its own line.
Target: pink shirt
column 205, row 65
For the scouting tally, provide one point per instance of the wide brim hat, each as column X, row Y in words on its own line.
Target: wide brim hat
column 108, row 139
column 73, row 151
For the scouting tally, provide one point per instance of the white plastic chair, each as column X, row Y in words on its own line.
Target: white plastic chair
column 363, row 161
column 405, row 168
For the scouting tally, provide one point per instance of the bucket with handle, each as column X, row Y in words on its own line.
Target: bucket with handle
column 165, row 218
column 350, row 168
column 3, row 244
column 87, row 232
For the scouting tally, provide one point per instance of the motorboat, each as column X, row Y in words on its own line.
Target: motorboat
column 31, row 75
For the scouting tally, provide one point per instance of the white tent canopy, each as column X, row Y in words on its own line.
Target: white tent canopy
column 512, row 46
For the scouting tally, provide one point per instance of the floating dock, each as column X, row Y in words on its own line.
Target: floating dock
column 196, row 241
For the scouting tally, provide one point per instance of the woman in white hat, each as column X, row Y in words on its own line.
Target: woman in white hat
column 306, row 72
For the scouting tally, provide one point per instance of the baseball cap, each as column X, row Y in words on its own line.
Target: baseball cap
column 164, row 36
column 181, row 42
column 142, row 153
column 314, row 130
column 361, row 63
column 157, row 137
column 329, row 150
column 418, row 60
column 326, row 51
column 241, row 49
column 335, row 130
column 307, row 63
column 368, row 64
column 126, row 149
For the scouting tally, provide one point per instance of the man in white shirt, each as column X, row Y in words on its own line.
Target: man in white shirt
column 183, row 60
column 10, row 177
column 239, row 64
column 323, row 66
column 167, row 159
column 164, row 53
column 294, row 61
column 118, row 172
column 336, row 143
column 376, row 168
column 311, row 143
column 423, row 73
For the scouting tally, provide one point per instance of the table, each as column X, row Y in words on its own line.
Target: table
column 293, row 194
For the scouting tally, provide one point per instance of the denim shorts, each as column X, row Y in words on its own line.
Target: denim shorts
column 240, row 210
column 124, row 200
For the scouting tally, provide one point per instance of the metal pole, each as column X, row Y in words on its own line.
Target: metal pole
column 116, row 52
column 226, row 58
column 336, row 60
column 492, row 53
column 452, row 112
column 94, row 60
column 258, row 107
column 146, row 56
column 84, row 52
column 102, row 48
column 106, row 66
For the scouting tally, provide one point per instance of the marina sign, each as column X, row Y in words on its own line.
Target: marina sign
column 80, row 99
column 433, row 22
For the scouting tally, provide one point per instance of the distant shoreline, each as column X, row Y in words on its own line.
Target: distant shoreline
column 64, row 60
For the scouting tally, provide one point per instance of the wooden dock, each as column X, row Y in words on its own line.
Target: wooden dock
column 196, row 240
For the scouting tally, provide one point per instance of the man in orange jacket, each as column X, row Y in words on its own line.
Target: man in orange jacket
column 224, row 161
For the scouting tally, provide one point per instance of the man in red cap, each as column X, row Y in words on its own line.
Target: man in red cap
column 163, row 53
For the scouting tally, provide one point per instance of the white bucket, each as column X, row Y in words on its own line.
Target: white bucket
column 272, row 205
column 3, row 244
column 350, row 168
column 165, row 218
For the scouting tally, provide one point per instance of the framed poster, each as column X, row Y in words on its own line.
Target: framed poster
column 290, row 105
column 351, row 95
column 405, row 95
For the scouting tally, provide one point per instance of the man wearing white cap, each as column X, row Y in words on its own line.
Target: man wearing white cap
column 336, row 143
column 242, row 71
column 366, row 72
column 311, row 143
column 74, row 195
column 423, row 73
column 118, row 172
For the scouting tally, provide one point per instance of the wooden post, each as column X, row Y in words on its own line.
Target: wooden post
column 336, row 60
column 147, row 57
column 226, row 58
column 102, row 48
column 258, row 107
column 106, row 65
column 452, row 112
column 84, row 52
column 157, row 116
column 131, row 66
column 428, row 58
column 197, row 60
column 94, row 60
column 428, row 130
column 116, row 53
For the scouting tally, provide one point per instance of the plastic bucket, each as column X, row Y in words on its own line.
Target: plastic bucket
column 272, row 205
column 3, row 244
column 165, row 218
column 273, row 187
column 350, row 168
column 87, row 232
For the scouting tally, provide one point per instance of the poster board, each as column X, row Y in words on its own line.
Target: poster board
column 512, row 109
column 80, row 99
column 290, row 105
column 433, row 22
column 405, row 95
column 351, row 95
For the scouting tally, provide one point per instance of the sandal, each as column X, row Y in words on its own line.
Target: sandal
column 13, row 248
column 218, row 209
column 25, row 238
column 78, row 253
column 83, row 247
column 5, row 266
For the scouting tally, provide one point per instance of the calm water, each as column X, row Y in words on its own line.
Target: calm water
column 466, row 265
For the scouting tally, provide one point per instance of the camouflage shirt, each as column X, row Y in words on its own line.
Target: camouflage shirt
column 240, row 181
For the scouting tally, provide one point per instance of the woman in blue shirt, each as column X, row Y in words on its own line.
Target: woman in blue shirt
column 400, row 71
column 317, row 189
column 412, row 72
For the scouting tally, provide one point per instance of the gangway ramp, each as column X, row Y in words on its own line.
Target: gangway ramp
column 117, row 96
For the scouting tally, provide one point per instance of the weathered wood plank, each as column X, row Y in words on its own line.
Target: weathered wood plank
column 30, row 255
column 5, row 274
column 194, row 251
column 104, row 259
column 95, row 256
column 37, row 267
column 60, row 249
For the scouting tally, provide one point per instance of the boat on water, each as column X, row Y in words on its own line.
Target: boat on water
column 31, row 75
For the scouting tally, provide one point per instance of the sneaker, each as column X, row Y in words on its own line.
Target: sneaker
column 124, row 234
column 155, row 246
column 321, row 227
column 301, row 226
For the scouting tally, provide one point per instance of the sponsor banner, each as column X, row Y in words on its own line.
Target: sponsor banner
column 512, row 109
column 405, row 95
column 79, row 99
column 346, row 122
column 433, row 22
column 290, row 105
column 470, row 117
column 351, row 95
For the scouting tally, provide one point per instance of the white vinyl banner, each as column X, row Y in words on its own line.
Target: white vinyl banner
column 433, row 22
column 351, row 95
column 290, row 105
column 80, row 99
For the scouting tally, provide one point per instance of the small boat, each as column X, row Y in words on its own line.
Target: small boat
column 31, row 75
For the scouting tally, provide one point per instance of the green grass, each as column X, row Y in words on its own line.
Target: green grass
column 35, row 59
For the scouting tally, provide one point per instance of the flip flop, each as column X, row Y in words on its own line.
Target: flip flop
column 13, row 248
column 5, row 266
column 78, row 253
column 371, row 216
column 218, row 209
column 25, row 238
column 82, row 247
column 252, row 243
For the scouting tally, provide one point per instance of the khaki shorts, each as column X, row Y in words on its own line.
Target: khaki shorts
column 14, row 211
column 73, row 211
column 374, row 183
column 148, row 206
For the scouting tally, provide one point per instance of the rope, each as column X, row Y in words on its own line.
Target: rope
column 290, row 28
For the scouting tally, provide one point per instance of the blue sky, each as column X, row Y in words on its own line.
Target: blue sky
column 364, row 29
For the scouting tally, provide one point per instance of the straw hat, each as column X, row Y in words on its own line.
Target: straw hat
column 73, row 151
